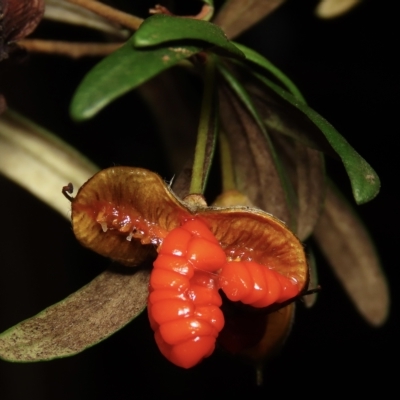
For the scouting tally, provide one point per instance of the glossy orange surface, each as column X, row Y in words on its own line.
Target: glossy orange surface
column 184, row 301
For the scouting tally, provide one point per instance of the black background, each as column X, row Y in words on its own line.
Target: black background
column 346, row 70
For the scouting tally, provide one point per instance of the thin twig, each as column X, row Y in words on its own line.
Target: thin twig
column 129, row 21
column 69, row 49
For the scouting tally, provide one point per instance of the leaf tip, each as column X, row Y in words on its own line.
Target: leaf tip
column 369, row 190
column 78, row 112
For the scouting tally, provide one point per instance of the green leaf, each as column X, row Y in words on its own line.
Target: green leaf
column 304, row 165
column 282, row 119
column 120, row 72
column 161, row 29
column 258, row 168
column 349, row 249
column 364, row 180
column 83, row 319
column 262, row 62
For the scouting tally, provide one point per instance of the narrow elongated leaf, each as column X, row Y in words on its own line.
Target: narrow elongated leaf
column 287, row 126
column 274, row 193
column 307, row 173
column 161, row 29
column 66, row 12
column 236, row 16
column 349, row 249
column 334, row 8
column 83, row 319
column 285, row 120
column 305, row 165
column 255, row 172
column 364, row 180
column 311, row 187
column 120, row 72
column 39, row 161
column 262, row 62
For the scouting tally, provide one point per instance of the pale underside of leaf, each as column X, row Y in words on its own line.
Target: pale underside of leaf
column 39, row 161
column 334, row 8
column 240, row 91
column 310, row 189
column 307, row 171
column 304, row 164
column 349, row 249
column 236, row 16
column 255, row 172
column 83, row 319
column 63, row 11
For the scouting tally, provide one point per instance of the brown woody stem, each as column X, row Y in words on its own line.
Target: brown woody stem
column 69, row 49
column 110, row 13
